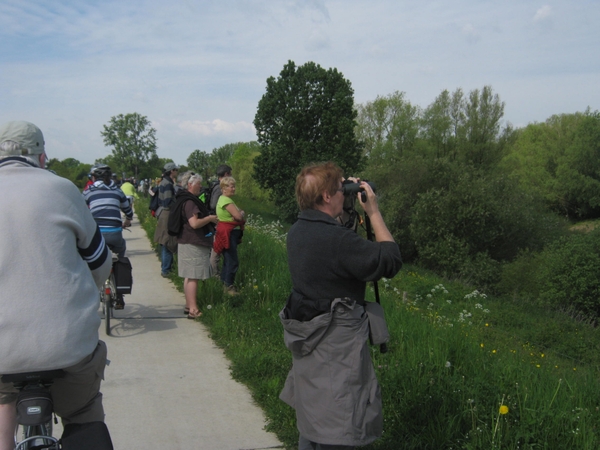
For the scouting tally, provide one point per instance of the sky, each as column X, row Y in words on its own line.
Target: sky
column 197, row 69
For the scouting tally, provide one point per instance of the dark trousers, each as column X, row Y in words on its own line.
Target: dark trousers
column 230, row 259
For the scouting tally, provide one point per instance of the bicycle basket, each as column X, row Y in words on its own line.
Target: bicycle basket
column 34, row 406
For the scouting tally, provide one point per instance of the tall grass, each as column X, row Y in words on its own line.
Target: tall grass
column 463, row 371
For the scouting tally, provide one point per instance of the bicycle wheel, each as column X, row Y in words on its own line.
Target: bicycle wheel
column 110, row 295
column 108, row 308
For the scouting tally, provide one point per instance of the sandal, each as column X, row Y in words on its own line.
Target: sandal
column 194, row 314
column 186, row 311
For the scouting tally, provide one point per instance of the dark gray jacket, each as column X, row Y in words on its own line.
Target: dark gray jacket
column 327, row 260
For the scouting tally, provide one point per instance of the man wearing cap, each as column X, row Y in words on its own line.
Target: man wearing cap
column 52, row 263
column 166, row 197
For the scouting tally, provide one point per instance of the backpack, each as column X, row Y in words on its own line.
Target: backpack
column 206, row 194
column 176, row 221
column 154, row 200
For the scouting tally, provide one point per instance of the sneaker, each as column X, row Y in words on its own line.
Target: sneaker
column 119, row 303
column 230, row 290
column 164, row 275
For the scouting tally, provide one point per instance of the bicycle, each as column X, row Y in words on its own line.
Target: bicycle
column 35, row 409
column 108, row 295
column 111, row 292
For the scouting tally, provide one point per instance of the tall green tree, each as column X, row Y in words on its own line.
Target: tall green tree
column 559, row 161
column 199, row 162
column 388, row 126
column 133, row 140
column 71, row 169
column 242, row 164
column 306, row 115
column 481, row 128
column 206, row 163
column 222, row 155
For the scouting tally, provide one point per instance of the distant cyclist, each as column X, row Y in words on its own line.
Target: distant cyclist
column 106, row 201
column 52, row 262
column 129, row 190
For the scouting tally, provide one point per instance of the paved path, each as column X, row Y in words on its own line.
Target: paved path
column 168, row 386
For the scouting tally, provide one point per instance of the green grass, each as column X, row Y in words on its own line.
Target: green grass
column 454, row 358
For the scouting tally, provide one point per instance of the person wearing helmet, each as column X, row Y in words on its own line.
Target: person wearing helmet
column 53, row 261
column 89, row 182
column 106, row 201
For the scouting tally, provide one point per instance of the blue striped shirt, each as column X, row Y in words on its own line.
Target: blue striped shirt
column 106, row 203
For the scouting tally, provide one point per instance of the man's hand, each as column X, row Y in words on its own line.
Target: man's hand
column 126, row 223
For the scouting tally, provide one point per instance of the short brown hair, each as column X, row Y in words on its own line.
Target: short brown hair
column 313, row 180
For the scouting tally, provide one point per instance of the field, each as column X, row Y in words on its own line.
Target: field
column 463, row 370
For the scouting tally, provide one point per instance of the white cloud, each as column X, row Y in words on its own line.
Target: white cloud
column 542, row 14
column 214, row 127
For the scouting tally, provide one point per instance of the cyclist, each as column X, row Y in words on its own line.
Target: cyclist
column 129, row 190
column 53, row 261
column 106, row 201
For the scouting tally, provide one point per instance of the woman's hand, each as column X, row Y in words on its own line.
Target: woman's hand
column 370, row 206
column 237, row 215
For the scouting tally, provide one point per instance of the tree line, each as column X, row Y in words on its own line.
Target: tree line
column 465, row 194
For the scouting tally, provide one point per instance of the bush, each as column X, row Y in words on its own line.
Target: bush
column 520, row 278
column 465, row 229
column 569, row 273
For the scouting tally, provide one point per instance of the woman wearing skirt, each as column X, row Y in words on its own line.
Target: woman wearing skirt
column 195, row 240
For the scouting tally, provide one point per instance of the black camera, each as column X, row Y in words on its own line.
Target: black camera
column 350, row 188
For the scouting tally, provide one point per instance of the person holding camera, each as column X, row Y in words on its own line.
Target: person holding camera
column 332, row 384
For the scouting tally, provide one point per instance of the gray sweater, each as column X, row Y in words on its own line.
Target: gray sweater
column 52, row 260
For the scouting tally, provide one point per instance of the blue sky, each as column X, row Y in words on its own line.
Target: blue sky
column 197, row 69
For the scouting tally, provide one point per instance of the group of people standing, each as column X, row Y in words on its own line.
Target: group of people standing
column 199, row 231
column 332, row 383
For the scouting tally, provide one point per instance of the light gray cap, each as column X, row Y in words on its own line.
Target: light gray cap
column 171, row 166
column 26, row 134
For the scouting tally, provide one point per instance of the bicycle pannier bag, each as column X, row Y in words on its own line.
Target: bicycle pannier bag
column 34, row 406
column 123, row 275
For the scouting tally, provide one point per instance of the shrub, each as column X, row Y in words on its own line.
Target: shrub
column 569, row 275
column 465, row 229
column 520, row 278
